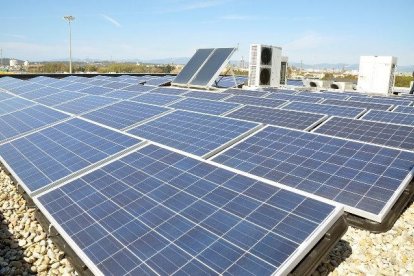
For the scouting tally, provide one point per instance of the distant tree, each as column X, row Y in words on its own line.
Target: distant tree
column 403, row 81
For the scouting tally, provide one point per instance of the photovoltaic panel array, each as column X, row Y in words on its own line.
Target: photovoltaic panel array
column 391, row 135
column 255, row 101
column 383, row 100
column 287, row 97
column 192, row 66
column 59, row 98
column 116, row 85
column 54, row 153
column 124, row 114
column 39, row 93
column 96, row 90
column 251, row 93
column 5, row 96
column 85, row 104
column 366, row 105
column 365, row 178
column 157, row 99
column 77, row 87
column 14, row 104
column 204, row 106
column 158, row 212
column 58, row 83
column 138, row 88
column 390, row 117
column 331, row 110
column 160, row 81
column 25, row 87
column 169, row 91
column 22, row 121
column 199, row 134
column 123, row 94
column 211, row 69
column 229, row 81
column 278, row 117
column 404, row 109
column 325, row 95
column 206, row 95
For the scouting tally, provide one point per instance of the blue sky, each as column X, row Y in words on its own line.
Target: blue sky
column 311, row 31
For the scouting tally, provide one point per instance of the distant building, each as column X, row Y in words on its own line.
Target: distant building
column 26, row 63
column 13, row 63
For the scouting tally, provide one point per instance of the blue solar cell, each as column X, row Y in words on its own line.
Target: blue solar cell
column 95, row 81
column 116, row 85
column 199, row 134
column 205, row 106
column 325, row 95
column 192, row 66
column 169, row 91
column 255, row 101
column 59, row 98
column 228, row 81
column 298, row 98
column 58, row 83
column 96, row 90
column 14, row 104
column 206, row 95
column 160, row 81
column 398, row 136
column 55, row 152
column 361, row 176
column 404, row 109
column 243, row 92
column 124, row 114
column 139, row 88
column 42, row 92
column 278, row 117
column 5, row 96
column 366, row 105
column 169, row 241
column 382, row 100
column 389, row 117
column 332, row 110
column 25, row 87
column 85, row 104
column 157, row 99
column 76, row 87
column 20, row 122
column 123, row 94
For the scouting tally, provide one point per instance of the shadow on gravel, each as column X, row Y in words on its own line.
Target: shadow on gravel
column 338, row 254
column 11, row 254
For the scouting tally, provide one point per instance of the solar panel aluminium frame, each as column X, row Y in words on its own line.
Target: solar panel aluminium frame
column 379, row 219
column 73, row 175
column 212, row 80
column 290, row 263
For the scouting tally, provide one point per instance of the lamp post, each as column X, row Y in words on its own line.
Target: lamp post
column 70, row 18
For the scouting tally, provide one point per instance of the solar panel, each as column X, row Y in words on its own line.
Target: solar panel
column 279, row 90
column 85, row 104
column 169, row 91
column 381, row 100
column 205, row 106
column 278, row 117
column 325, row 95
column 14, row 104
column 25, row 87
column 123, row 94
column 116, row 85
column 332, row 110
column 96, row 90
column 157, row 99
column 43, row 80
column 366, row 105
column 125, row 114
column 228, row 81
column 367, row 179
column 58, row 83
column 251, row 93
column 42, row 92
column 192, row 66
column 211, row 69
column 25, row 120
column 391, row 135
column 206, row 95
column 160, row 81
column 389, row 117
column 404, row 109
column 76, row 86
column 54, row 153
column 139, row 88
column 255, row 101
column 98, row 81
column 199, row 134
column 159, row 212
column 5, row 96
column 288, row 97
column 74, row 78
column 59, row 98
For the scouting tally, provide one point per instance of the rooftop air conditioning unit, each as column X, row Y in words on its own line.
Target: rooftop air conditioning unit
column 264, row 66
column 376, row 74
column 283, row 70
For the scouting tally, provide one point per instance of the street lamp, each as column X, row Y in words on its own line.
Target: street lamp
column 70, row 18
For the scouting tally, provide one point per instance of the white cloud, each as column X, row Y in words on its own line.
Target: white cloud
column 111, row 20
